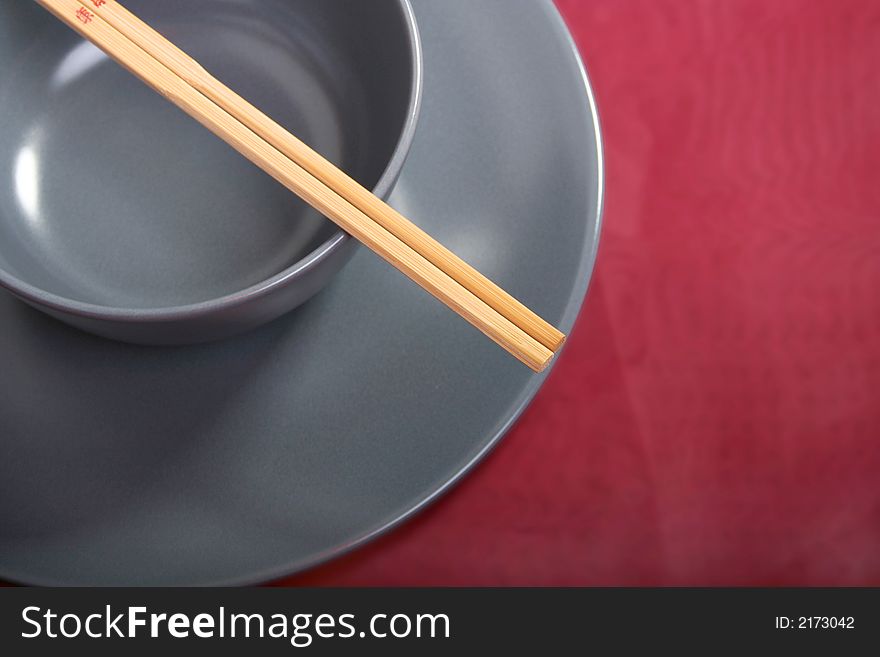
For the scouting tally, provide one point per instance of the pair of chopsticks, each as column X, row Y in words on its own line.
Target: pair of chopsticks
column 175, row 75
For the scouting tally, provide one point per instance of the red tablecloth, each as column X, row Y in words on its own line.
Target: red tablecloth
column 715, row 418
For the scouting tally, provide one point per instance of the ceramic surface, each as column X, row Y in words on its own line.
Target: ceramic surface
column 121, row 215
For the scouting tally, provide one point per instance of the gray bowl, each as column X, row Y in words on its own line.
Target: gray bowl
column 122, row 216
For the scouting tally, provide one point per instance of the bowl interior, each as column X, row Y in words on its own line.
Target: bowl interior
column 110, row 195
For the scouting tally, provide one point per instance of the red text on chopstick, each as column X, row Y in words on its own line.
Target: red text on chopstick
column 85, row 15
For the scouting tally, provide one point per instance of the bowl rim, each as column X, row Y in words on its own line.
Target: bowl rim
column 56, row 302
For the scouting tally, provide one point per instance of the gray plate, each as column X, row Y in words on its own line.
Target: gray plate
column 253, row 458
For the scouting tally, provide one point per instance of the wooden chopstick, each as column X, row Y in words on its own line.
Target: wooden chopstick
column 79, row 16
column 193, row 73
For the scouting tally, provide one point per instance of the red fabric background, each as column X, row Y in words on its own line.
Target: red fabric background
column 715, row 418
